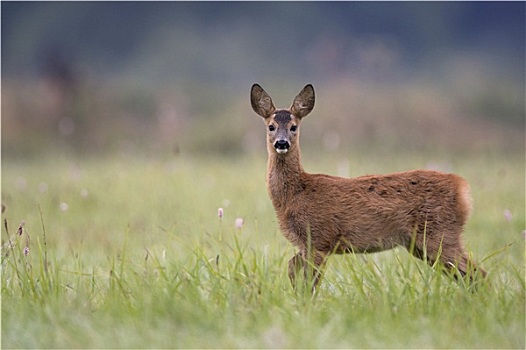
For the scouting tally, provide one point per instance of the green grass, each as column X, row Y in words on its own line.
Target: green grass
column 131, row 253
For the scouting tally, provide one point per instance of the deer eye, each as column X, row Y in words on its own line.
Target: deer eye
column 271, row 127
column 293, row 128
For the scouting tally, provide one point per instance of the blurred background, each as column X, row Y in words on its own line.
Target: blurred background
column 169, row 78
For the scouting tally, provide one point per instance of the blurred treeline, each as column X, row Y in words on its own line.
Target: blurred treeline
column 174, row 77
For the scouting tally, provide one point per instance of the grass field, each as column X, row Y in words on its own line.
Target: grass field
column 130, row 253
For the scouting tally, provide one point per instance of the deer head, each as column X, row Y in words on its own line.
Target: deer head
column 282, row 124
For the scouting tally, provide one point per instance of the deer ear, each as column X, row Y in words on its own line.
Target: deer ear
column 261, row 101
column 304, row 102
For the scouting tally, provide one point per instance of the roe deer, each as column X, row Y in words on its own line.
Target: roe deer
column 423, row 211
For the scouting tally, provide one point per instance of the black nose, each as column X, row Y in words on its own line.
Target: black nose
column 281, row 144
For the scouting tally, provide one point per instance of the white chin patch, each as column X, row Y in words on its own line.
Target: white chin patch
column 281, row 150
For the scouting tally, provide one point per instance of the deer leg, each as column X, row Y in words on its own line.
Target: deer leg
column 312, row 268
column 295, row 265
column 465, row 268
column 453, row 260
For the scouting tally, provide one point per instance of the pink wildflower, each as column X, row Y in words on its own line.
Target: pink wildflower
column 239, row 223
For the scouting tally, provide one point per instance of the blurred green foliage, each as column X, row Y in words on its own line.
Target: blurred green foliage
column 164, row 77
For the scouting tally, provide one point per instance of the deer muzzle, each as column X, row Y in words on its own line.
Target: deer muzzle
column 281, row 146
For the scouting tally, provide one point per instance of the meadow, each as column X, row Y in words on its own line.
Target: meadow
column 130, row 252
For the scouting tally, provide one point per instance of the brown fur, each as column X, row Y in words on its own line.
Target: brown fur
column 424, row 211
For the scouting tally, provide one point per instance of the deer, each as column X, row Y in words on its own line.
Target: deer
column 422, row 210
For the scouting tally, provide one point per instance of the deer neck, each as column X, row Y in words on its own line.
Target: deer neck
column 284, row 173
